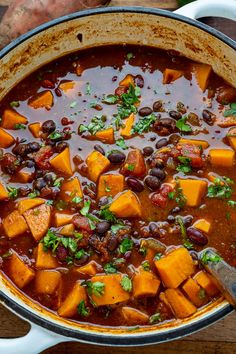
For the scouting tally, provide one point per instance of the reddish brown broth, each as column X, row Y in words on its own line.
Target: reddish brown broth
column 103, row 69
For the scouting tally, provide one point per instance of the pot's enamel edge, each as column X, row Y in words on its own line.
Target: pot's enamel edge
column 107, row 337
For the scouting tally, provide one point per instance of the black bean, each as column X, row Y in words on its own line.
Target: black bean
column 175, row 115
column 159, row 163
column 139, row 81
column 39, row 184
column 82, row 260
column 152, row 182
column 187, row 220
column 196, row 236
column 157, row 106
column 102, row 227
column 170, row 219
column 208, row 117
column 159, row 173
column 153, row 228
column 162, row 142
column 103, row 201
column 20, row 149
column 49, row 126
column 49, row 178
column 169, row 123
column 175, row 210
column 147, row 151
column 30, row 163
column 116, row 157
column 134, row 184
column 145, row 111
column 194, row 255
column 112, row 243
column 99, row 148
column 61, row 146
column 61, row 253
column 174, row 139
column 33, row 147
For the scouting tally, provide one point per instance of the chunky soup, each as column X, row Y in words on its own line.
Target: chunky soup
column 117, row 167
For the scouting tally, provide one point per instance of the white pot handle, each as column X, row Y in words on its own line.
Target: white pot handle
column 203, row 8
column 35, row 341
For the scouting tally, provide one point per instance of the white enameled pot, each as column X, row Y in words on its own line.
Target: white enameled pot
column 86, row 29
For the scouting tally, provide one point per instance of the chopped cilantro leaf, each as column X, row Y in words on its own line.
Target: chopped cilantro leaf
column 110, row 99
column 210, row 257
column 107, row 215
column 126, row 245
column 76, row 200
column 85, row 210
column 221, row 188
column 232, row 111
column 146, row 265
column 171, row 195
column 97, row 123
column 55, row 135
column 232, row 203
column 126, row 283
column 88, row 88
column 49, row 202
column 121, row 143
column 182, row 227
column 131, row 167
column 80, row 254
column 129, row 56
column 33, row 194
column 184, row 165
column 182, row 126
column 14, row 104
column 158, row 256
column 19, row 126
column 73, row 104
column 57, row 183
column 144, row 124
column 82, row 309
column 12, row 192
column 155, row 318
column 96, row 288
column 116, row 227
column 110, row 268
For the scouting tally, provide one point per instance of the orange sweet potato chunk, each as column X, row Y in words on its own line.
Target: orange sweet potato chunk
column 28, row 203
column 41, row 100
column 3, row 192
column 176, row 267
column 14, row 224
column 19, row 272
column 97, row 164
column 193, row 190
column 69, row 306
column 206, row 282
column 61, row 219
column 62, row 162
column 24, row 175
column 145, row 283
column 133, row 316
column 180, row 305
column 47, row 281
column 125, row 131
column 113, row 291
column 222, row 157
column 126, row 205
column 194, row 292
column 128, row 80
column 106, row 136
column 171, row 75
column 6, row 139
column 10, row 118
column 45, row 259
column 110, row 185
column 71, row 189
column 67, row 230
column 202, row 74
column 35, row 129
column 67, row 86
column 38, row 220
column 89, row 269
column 134, row 164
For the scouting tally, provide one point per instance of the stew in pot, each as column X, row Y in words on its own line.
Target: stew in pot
column 117, row 167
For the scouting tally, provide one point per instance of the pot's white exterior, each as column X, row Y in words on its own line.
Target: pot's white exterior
column 115, row 27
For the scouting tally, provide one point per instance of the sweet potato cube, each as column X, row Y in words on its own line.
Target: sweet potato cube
column 19, row 272
column 206, row 282
column 97, row 164
column 145, row 283
column 194, row 292
column 35, row 129
column 232, row 141
column 203, row 143
column 180, row 305
column 128, row 80
column 110, row 185
column 38, row 220
column 45, row 259
column 67, row 86
column 47, row 281
column 14, row 224
column 170, row 75
column 28, row 203
column 69, row 306
column 222, row 157
column 113, row 291
column 71, row 189
column 62, row 162
column 133, row 316
column 6, row 139
column 128, row 124
column 203, row 225
column 202, row 74
column 126, row 205
column 134, row 164
column 176, row 267
column 3, row 192
column 106, row 136
column 226, row 122
column 193, row 190
column 89, row 269
column 24, row 176
column 61, row 219
column 10, row 118
column 41, row 100
column 68, row 230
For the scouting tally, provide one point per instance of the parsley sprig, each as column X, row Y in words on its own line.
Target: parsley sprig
column 144, row 124
column 221, row 188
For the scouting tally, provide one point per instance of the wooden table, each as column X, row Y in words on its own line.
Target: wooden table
column 217, row 339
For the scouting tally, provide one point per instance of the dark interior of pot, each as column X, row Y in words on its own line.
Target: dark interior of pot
column 118, row 157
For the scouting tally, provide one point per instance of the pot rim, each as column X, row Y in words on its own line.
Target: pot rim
column 109, row 339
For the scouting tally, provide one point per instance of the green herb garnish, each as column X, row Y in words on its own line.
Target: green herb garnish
column 155, row 318
column 184, row 165
column 19, row 126
column 97, row 123
column 110, row 268
column 126, row 283
column 121, row 143
column 146, row 265
column 126, row 245
column 12, row 192
column 82, row 309
column 232, row 111
column 182, row 126
column 144, row 124
column 207, row 257
column 221, row 188
column 110, row 99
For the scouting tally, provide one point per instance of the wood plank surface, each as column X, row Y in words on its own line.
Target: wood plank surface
column 219, row 338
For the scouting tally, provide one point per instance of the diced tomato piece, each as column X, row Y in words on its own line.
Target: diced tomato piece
column 194, row 153
column 159, row 200
column 121, row 90
column 166, row 189
column 81, row 223
column 42, row 157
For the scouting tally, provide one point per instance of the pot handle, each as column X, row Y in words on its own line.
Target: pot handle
column 203, row 8
column 35, row 341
